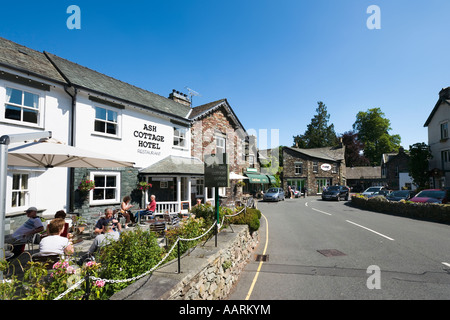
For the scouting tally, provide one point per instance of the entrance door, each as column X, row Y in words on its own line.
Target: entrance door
column 320, row 183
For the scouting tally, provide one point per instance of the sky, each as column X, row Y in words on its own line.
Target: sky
column 272, row 60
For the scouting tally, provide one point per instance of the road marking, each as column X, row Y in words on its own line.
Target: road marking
column 446, row 264
column 380, row 234
column 306, row 203
column 261, row 263
column 322, row 212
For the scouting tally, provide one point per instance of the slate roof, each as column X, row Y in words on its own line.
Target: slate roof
column 101, row 84
column 23, row 59
column 327, row 153
column 205, row 109
column 176, row 165
column 356, row 173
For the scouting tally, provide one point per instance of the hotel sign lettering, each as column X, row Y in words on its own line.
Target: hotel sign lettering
column 149, row 141
column 216, row 172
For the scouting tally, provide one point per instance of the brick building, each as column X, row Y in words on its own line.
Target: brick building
column 394, row 170
column 314, row 168
column 216, row 129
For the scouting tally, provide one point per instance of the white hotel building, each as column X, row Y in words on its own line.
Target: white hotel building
column 89, row 110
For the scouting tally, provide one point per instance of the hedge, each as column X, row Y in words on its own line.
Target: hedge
column 420, row 211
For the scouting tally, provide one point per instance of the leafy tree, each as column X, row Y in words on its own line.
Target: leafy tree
column 353, row 150
column 318, row 134
column 419, row 156
column 373, row 131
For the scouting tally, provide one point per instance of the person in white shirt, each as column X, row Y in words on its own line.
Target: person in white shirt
column 25, row 232
column 105, row 238
column 54, row 244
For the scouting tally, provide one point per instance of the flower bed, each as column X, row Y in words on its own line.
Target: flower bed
column 421, row 211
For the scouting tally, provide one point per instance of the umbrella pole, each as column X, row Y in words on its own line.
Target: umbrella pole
column 3, row 174
column 4, row 142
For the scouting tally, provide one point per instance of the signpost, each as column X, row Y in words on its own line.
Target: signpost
column 217, row 175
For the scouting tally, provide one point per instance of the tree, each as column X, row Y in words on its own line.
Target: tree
column 419, row 156
column 318, row 134
column 353, row 150
column 373, row 131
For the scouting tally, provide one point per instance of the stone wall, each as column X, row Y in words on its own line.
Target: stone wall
column 207, row 273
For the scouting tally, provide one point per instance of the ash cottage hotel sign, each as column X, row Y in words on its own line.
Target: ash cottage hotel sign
column 149, row 141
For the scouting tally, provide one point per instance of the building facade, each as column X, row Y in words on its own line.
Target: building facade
column 439, row 141
column 314, row 169
column 166, row 138
column 395, row 170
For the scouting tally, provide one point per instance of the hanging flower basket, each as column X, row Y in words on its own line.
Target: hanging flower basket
column 144, row 186
column 86, row 185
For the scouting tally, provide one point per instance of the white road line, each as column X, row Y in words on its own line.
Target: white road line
column 380, row 234
column 306, row 203
column 322, row 212
column 446, row 264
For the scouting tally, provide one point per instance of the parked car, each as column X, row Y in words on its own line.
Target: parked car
column 372, row 190
column 336, row 193
column 274, row 194
column 429, row 196
column 382, row 192
column 400, row 195
column 296, row 192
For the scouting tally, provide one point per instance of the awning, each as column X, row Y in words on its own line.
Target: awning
column 257, row 178
column 272, row 179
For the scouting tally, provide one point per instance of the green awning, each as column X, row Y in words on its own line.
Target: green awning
column 257, row 178
column 272, row 179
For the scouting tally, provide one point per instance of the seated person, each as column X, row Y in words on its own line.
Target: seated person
column 151, row 208
column 62, row 215
column 25, row 232
column 54, row 243
column 105, row 220
column 105, row 238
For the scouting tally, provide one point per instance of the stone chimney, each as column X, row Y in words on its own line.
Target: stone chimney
column 180, row 97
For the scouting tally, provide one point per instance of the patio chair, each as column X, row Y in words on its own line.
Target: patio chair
column 158, row 227
column 48, row 260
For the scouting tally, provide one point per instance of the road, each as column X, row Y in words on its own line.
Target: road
column 373, row 256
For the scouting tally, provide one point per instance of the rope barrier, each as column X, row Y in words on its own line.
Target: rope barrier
column 152, row 269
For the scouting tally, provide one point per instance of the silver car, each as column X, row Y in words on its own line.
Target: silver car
column 274, row 194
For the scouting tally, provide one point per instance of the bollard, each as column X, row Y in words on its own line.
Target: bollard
column 179, row 257
column 88, row 288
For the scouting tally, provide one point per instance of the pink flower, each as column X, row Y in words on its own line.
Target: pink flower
column 70, row 270
column 57, row 265
column 99, row 283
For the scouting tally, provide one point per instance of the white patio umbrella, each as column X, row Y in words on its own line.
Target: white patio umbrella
column 235, row 176
column 49, row 153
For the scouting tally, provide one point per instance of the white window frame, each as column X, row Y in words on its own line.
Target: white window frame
column 40, row 109
column 219, row 141
column 334, row 168
column 315, row 166
column 117, row 123
column 298, row 168
column 444, row 130
column 26, row 191
column 180, row 137
column 117, row 188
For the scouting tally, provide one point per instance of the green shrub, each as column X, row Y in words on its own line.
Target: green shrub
column 250, row 217
column 189, row 229
column 134, row 254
